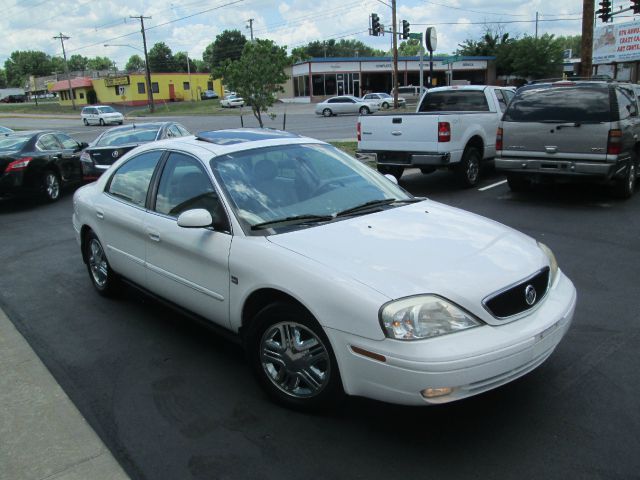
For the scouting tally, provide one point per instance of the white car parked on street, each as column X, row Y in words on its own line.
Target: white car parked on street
column 345, row 104
column 383, row 100
column 101, row 115
column 335, row 279
column 231, row 101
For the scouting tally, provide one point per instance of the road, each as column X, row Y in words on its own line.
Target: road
column 172, row 400
column 299, row 119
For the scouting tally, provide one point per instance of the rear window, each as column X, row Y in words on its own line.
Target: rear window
column 124, row 137
column 577, row 103
column 13, row 143
column 455, row 101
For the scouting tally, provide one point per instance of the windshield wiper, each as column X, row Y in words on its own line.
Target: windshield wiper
column 294, row 220
column 377, row 203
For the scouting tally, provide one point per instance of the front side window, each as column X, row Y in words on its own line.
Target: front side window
column 185, row 185
column 131, row 181
column 275, row 183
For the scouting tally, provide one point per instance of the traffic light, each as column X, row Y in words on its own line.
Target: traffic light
column 375, row 24
column 605, row 10
column 405, row 29
column 635, row 6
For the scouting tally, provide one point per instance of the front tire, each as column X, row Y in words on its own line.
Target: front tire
column 101, row 122
column 364, row 111
column 385, row 105
column 86, row 122
column 103, row 278
column 469, row 168
column 327, row 112
column 51, row 187
column 292, row 358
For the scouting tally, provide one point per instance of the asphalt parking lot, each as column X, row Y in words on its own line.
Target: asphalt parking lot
column 172, row 400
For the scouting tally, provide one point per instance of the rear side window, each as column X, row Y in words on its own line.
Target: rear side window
column 626, row 103
column 553, row 104
column 131, row 181
column 455, row 101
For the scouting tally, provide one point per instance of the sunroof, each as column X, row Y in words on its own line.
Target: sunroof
column 230, row 137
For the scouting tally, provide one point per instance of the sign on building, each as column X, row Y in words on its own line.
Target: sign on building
column 115, row 81
column 616, row 43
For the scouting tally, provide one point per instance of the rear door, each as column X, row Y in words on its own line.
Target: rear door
column 565, row 122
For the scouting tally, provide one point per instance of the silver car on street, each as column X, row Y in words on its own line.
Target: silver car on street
column 345, row 104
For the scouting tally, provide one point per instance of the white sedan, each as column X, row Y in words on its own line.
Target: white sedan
column 383, row 100
column 335, row 279
column 231, row 101
column 345, row 104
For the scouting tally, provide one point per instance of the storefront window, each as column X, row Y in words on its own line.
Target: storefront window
column 301, row 86
column 330, row 84
column 318, row 85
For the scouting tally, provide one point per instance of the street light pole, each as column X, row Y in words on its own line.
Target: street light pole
column 395, row 54
column 152, row 107
column 62, row 38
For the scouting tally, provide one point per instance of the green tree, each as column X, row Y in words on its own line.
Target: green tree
column 410, row 48
column 21, row 64
column 201, row 66
column 536, row 58
column 573, row 43
column 3, row 79
column 99, row 63
column 331, row 48
column 161, row 58
column 57, row 65
column 228, row 45
column 77, row 63
column 492, row 44
column 257, row 75
column 134, row 64
column 180, row 63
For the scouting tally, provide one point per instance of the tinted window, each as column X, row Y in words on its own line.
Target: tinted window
column 139, row 134
column 572, row 103
column 48, row 142
column 106, row 110
column 131, row 180
column 626, row 103
column 67, row 141
column 455, row 101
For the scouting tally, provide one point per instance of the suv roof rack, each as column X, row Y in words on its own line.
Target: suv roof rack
column 594, row 78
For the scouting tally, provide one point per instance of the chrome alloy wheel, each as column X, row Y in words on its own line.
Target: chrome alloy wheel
column 52, row 185
column 473, row 170
column 295, row 359
column 98, row 263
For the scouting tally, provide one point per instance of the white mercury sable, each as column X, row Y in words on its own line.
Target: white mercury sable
column 335, row 279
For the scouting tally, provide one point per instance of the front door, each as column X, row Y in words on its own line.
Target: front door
column 189, row 266
column 172, row 92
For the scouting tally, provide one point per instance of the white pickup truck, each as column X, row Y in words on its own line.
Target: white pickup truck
column 453, row 128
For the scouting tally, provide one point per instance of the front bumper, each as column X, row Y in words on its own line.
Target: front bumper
column 469, row 362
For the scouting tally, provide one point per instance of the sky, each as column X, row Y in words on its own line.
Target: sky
column 190, row 25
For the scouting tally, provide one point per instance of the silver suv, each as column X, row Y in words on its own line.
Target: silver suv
column 569, row 130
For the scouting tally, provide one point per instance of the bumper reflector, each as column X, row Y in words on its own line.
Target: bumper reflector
column 436, row 392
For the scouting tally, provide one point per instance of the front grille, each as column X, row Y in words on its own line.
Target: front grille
column 513, row 300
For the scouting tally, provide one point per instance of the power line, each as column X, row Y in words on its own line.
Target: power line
column 473, row 11
column 501, row 22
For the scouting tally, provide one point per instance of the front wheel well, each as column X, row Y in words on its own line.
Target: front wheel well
column 259, row 300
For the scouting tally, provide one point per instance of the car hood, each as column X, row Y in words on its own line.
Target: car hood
column 422, row 248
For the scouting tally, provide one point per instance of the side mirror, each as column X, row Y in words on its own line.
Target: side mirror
column 83, row 145
column 196, row 218
column 392, row 178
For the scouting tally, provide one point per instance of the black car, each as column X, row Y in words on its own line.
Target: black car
column 117, row 141
column 38, row 163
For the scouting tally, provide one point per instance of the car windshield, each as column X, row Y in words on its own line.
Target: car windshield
column 13, row 143
column 106, row 110
column 127, row 136
column 295, row 186
column 384, row 95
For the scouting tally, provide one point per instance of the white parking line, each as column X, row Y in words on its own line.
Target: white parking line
column 492, row 185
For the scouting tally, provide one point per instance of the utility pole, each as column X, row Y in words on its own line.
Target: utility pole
column 586, row 48
column 152, row 107
column 250, row 27
column 536, row 25
column 395, row 54
column 62, row 38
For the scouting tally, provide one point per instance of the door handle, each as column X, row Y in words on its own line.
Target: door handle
column 396, row 133
column 100, row 214
column 153, row 235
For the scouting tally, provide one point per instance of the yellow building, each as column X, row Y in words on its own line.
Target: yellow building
column 131, row 89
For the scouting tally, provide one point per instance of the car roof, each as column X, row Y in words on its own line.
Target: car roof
column 223, row 142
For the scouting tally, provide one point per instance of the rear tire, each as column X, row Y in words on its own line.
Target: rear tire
column 394, row 170
column 625, row 187
column 103, row 278
column 364, row 111
column 292, row 359
column 518, row 183
column 469, row 168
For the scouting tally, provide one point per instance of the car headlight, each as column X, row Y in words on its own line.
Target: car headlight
column 423, row 316
column 553, row 263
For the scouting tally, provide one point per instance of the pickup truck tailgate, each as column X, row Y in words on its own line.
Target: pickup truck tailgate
column 405, row 132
